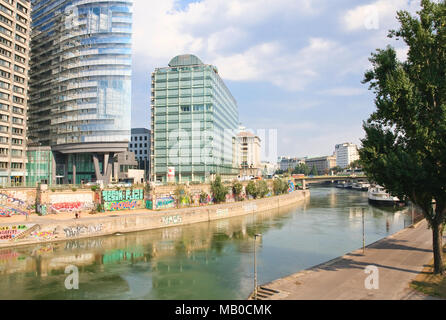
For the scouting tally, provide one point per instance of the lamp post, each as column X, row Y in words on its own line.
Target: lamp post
column 255, row 265
column 363, row 232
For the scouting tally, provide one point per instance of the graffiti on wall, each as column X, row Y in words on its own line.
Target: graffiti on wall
column 6, row 212
column 10, row 232
column 291, row 185
column 172, row 220
column 123, row 205
column 78, row 231
column 71, row 207
column 165, row 203
column 68, row 202
column 116, row 200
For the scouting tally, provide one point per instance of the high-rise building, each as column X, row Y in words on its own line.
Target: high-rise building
column 194, row 123
column 14, row 62
column 140, row 146
column 80, row 85
column 249, row 154
column 346, row 153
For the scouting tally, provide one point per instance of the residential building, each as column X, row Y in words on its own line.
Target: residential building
column 140, row 146
column 322, row 164
column 346, row 153
column 249, row 153
column 14, row 65
column 80, row 85
column 194, row 123
column 286, row 163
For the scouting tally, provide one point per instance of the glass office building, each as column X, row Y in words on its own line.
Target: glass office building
column 80, row 84
column 194, row 123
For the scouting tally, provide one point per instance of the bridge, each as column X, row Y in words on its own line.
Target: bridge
column 332, row 179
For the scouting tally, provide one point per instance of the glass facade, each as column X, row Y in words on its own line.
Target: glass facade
column 194, row 122
column 40, row 166
column 80, row 79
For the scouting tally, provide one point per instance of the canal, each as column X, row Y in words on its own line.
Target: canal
column 202, row 261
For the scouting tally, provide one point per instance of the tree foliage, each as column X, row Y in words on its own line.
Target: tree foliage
column 405, row 145
column 251, row 189
column 302, row 168
column 262, row 189
column 237, row 189
column 219, row 191
column 280, row 187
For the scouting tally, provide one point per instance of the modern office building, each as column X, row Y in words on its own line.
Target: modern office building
column 346, row 153
column 140, row 146
column 194, row 123
column 80, row 85
column 249, row 153
column 14, row 65
column 323, row 165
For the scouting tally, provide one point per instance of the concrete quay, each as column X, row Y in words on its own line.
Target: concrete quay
column 384, row 272
column 51, row 228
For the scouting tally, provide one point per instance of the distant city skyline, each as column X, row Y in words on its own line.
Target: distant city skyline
column 292, row 65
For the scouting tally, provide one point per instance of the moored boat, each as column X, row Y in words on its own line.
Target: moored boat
column 379, row 196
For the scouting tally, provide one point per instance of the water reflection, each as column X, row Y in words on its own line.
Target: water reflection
column 201, row 261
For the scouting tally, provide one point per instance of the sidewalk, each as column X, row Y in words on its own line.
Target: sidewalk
column 399, row 258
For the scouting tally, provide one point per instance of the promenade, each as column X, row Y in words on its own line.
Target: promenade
column 399, row 259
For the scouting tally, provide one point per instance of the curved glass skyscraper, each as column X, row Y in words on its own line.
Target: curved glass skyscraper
column 80, row 82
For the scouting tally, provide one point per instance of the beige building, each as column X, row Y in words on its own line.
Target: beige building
column 322, row 164
column 249, row 154
column 346, row 153
column 14, row 65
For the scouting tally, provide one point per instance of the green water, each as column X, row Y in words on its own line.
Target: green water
column 202, row 261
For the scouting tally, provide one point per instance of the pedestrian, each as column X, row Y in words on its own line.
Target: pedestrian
column 76, row 215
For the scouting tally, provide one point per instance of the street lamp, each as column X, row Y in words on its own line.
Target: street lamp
column 255, row 265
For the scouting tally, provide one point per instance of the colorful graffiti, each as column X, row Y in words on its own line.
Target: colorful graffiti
column 123, row 205
column 122, row 195
column 4, row 197
column 43, row 235
column 6, row 212
column 77, row 231
column 67, row 207
column 10, row 232
column 291, row 186
column 165, row 203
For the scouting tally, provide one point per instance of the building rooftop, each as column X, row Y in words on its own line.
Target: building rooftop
column 185, row 60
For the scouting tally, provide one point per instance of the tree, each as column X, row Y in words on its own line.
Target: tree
column 237, row 189
column 314, row 171
column 251, row 189
column 262, row 189
column 219, row 191
column 302, row 168
column 405, row 145
column 355, row 164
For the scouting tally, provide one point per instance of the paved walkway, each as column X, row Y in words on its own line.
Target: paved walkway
column 399, row 259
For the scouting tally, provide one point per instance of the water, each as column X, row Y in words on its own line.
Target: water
column 202, row 261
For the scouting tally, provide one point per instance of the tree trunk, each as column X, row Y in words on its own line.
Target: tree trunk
column 437, row 233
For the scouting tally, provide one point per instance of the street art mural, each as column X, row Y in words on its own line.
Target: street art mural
column 117, row 200
column 69, row 202
column 10, row 232
column 14, row 203
column 291, row 186
column 6, row 212
column 165, row 203
column 123, row 205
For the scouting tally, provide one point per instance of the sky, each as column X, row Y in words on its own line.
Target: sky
column 294, row 66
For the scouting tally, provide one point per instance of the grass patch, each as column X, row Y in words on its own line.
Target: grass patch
column 429, row 283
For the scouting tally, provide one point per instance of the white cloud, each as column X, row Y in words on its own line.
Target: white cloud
column 344, row 91
column 377, row 15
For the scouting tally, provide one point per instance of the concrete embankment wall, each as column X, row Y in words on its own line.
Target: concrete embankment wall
column 93, row 227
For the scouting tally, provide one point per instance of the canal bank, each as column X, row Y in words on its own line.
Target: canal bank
column 45, row 229
column 384, row 272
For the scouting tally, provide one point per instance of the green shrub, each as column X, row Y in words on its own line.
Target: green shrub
column 237, row 189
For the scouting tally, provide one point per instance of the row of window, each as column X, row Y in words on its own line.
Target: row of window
column 14, row 165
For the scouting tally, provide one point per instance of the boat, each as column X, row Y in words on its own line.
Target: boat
column 341, row 185
column 379, row 196
column 361, row 186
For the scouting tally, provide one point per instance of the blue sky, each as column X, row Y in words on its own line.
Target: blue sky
column 292, row 65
